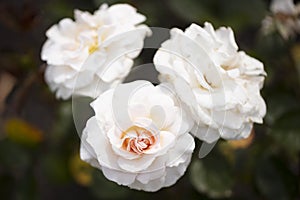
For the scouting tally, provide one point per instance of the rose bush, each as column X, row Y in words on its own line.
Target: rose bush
column 138, row 136
column 219, row 85
column 94, row 52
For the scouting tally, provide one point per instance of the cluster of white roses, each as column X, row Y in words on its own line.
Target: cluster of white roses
column 140, row 133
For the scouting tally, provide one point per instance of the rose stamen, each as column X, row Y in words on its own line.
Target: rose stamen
column 93, row 47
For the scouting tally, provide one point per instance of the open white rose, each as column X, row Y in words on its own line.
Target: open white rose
column 138, row 136
column 219, row 84
column 94, row 52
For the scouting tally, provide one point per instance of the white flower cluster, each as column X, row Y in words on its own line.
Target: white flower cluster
column 140, row 133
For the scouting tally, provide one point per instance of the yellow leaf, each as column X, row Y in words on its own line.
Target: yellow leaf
column 243, row 143
column 80, row 170
column 22, row 132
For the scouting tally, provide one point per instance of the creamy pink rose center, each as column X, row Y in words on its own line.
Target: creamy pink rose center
column 137, row 139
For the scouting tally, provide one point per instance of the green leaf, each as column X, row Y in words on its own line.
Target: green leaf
column 109, row 2
column 239, row 13
column 235, row 13
column 286, row 131
column 289, row 177
column 81, row 111
column 105, row 189
column 56, row 10
column 192, row 10
column 212, row 176
column 63, row 124
column 55, row 168
column 278, row 104
column 6, row 186
column 13, row 156
column 269, row 182
column 27, row 187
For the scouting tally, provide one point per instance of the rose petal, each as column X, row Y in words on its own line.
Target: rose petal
column 155, row 171
column 151, row 186
column 97, row 140
column 136, row 165
column 205, row 133
column 118, row 176
column 183, row 148
column 174, row 173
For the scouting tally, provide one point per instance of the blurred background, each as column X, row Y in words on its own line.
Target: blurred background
column 39, row 145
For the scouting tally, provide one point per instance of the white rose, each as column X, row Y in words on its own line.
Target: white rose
column 138, row 136
column 94, row 52
column 220, row 85
column 283, row 6
column 285, row 17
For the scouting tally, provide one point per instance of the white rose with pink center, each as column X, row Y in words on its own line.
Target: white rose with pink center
column 138, row 136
